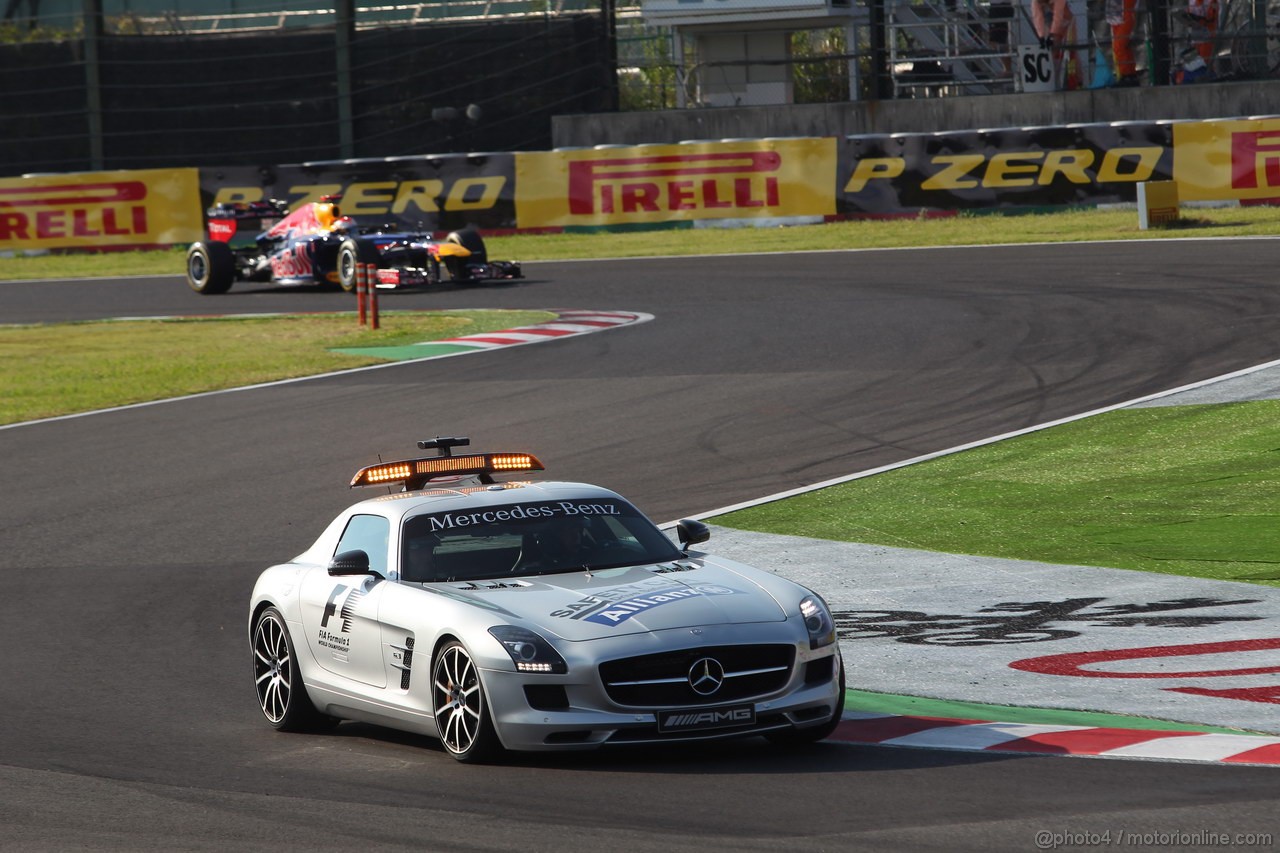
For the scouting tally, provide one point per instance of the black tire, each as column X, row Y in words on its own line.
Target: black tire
column 354, row 251
column 281, row 694
column 461, row 712
column 812, row 734
column 211, row 267
column 469, row 239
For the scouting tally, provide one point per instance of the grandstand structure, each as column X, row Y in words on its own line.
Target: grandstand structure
column 141, row 83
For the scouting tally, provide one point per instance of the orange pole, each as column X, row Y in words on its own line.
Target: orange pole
column 362, row 281
column 371, row 272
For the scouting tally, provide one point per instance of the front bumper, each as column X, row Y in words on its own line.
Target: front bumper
column 590, row 719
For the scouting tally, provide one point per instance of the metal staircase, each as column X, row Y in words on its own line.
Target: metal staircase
column 941, row 48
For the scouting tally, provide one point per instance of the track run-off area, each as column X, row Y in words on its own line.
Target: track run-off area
column 133, row 538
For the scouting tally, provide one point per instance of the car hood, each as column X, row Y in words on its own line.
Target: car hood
column 638, row 599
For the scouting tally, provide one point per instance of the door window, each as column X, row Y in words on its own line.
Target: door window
column 367, row 533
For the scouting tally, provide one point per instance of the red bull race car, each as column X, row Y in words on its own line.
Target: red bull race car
column 315, row 244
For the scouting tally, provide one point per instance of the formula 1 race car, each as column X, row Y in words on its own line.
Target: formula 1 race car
column 315, row 244
column 527, row 615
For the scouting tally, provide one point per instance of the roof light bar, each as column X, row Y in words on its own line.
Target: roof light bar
column 414, row 473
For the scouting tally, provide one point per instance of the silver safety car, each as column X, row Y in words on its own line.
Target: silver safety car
column 525, row 615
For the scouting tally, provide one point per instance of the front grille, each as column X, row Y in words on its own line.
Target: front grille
column 662, row 680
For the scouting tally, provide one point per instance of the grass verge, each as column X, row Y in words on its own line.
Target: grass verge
column 1182, row 490
column 920, row 706
column 79, row 367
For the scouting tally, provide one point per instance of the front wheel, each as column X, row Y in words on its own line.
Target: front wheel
column 354, row 251
column 469, row 239
column 462, row 717
column 211, row 267
column 281, row 693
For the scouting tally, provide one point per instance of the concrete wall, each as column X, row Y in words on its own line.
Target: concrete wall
column 1202, row 101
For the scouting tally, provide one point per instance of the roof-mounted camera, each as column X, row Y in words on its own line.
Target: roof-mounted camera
column 444, row 444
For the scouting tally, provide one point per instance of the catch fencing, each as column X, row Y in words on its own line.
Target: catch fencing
column 157, row 98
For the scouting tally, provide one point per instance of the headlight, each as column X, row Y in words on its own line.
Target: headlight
column 817, row 621
column 530, row 652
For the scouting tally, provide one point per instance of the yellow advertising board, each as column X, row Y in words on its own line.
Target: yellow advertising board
column 1225, row 160
column 101, row 210
column 748, row 179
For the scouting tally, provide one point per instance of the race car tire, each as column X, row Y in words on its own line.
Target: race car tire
column 354, row 251
column 211, row 267
column 461, row 712
column 812, row 734
column 282, row 696
column 469, row 239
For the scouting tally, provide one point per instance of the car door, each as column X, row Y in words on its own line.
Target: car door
column 340, row 614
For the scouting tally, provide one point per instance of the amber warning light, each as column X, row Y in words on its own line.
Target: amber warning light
column 414, row 473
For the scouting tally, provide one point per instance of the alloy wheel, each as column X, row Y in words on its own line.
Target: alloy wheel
column 272, row 665
column 459, row 702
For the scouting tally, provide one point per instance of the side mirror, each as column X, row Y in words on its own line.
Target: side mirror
column 349, row 563
column 691, row 532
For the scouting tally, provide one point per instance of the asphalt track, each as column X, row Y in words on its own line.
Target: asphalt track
column 131, row 540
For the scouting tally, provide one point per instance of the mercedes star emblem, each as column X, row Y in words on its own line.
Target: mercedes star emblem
column 705, row 676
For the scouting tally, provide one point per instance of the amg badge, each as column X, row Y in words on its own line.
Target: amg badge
column 706, row 718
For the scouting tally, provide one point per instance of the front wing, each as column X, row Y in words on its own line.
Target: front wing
column 412, row 276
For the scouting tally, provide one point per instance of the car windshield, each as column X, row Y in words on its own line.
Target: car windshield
column 541, row 538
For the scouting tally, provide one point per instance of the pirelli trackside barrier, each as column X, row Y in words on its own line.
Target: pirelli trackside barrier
column 1228, row 159
column 1010, row 167
column 648, row 184
column 432, row 193
column 101, row 210
column 1086, row 164
column 740, row 181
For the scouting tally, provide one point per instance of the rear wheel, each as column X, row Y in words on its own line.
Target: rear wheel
column 354, row 251
column 281, row 694
column 462, row 716
column 211, row 267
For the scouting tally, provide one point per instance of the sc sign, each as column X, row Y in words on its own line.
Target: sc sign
column 1035, row 69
